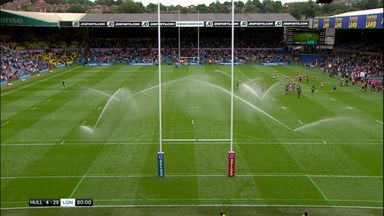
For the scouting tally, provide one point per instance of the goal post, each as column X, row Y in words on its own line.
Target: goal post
column 160, row 153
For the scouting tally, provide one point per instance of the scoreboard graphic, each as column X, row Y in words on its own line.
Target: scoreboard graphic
column 68, row 202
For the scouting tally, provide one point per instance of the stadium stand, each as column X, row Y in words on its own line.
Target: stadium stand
column 29, row 49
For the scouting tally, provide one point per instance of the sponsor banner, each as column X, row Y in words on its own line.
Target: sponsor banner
column 99, row 63
column 190, row 63
column 89, row 24
column 292, row 23
column 261, row 24
column 105, row 49
column 170, row 24
column 160, row 164
column 24, row 76
column 339, row 22
column 326, row 23
column 221, row 23
column 243, row 23
column 231, row 163
column 352, row 22
column 10, row 18
column 371, row 21
column 274, row 63
column 227, row 63
column 44, row 71
column 30, row 51
column 60, row 65
column 141, row 64
column 3, row 82
column 127, row 24
column 105, row 64
column 189, row 23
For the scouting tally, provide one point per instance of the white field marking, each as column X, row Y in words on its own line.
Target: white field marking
column 380, row 122
column 348, row 107
column 184, row 175
column 5, row 123
column 203, row 205
column 317, row 187
column 245, row 101
column 325, row 142
column 62, row 142
column 196, row 140
column 33, row 108
column 217, row 199
column 283, row 107
column 221, row 199
column 188, row 142
column 83, row 123
column 41, row 80
column 192, row 122
column 78, row 184
column 99, row 108
column 332, row 99
column 301, row 122
column 49, row 100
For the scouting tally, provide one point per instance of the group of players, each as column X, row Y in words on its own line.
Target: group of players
column 294, row 85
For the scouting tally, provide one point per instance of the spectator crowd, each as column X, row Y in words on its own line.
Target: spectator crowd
column 17, row 60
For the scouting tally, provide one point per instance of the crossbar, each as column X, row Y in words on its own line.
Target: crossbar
column 196, row 140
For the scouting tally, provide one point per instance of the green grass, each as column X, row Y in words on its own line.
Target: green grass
column 98, row 138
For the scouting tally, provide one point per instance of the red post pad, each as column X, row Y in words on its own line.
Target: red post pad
column 231, row 164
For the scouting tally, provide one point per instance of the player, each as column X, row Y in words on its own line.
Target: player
column 63, row 83
column 286, row 88
column 322, row 84
column 334, row 86
column 221, row 214
column 237, row 84
column 305, row 214
column 298, row 91
column 313, row 89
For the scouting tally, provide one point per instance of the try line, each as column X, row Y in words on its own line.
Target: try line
column 184, row 175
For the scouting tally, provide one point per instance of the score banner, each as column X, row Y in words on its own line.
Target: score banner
column 63, row 202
